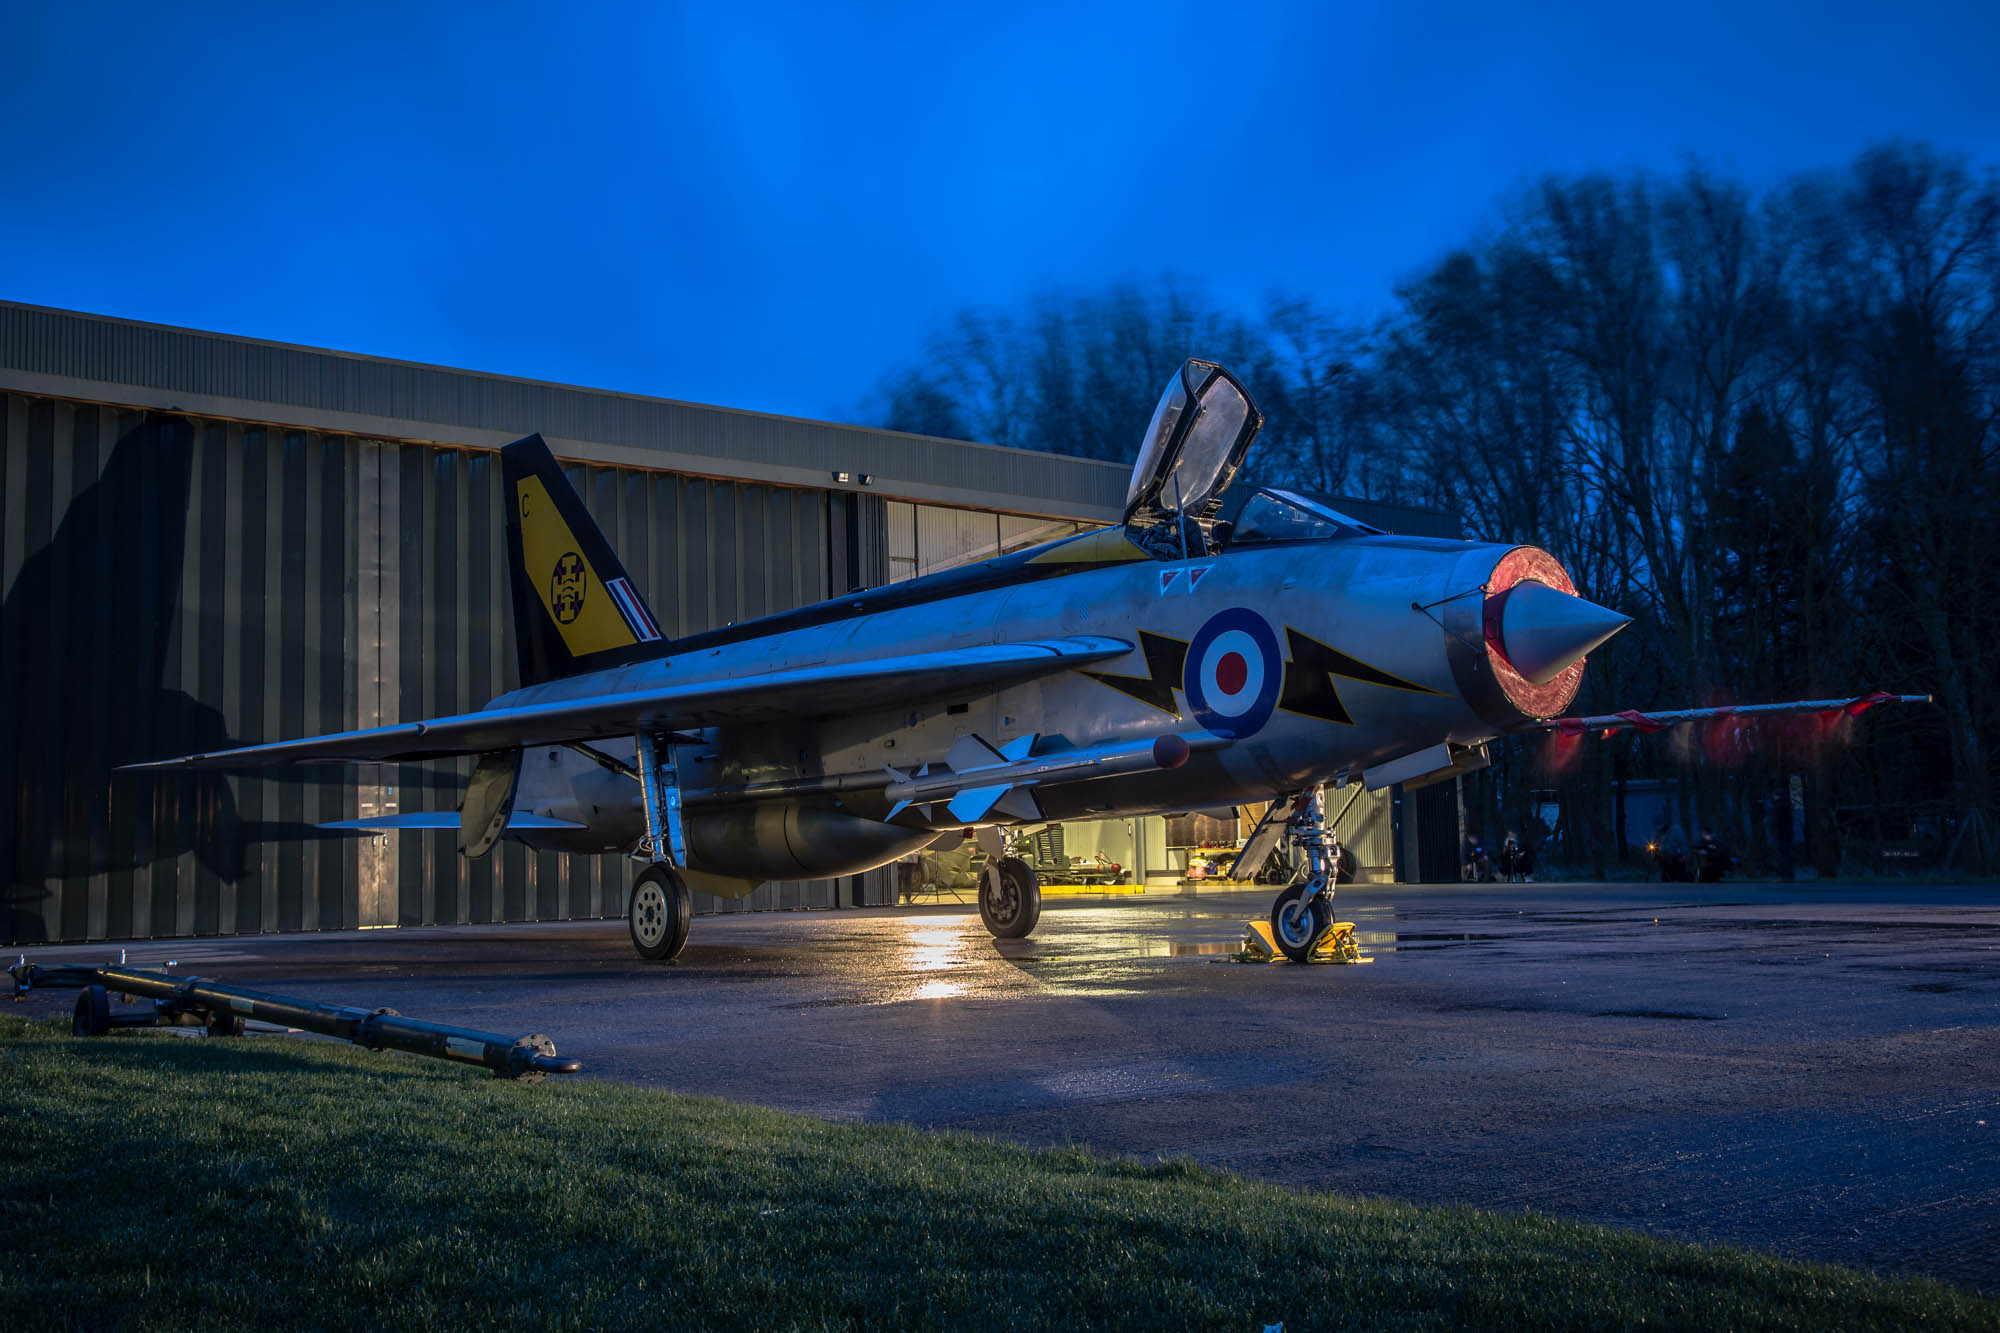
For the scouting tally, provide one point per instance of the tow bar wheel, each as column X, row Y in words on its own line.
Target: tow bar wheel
column 92, row 1016
column 1010, row 898
column 659, row 912
column 1298, row 919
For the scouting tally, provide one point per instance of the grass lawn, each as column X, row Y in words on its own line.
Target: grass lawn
column 147, row 1181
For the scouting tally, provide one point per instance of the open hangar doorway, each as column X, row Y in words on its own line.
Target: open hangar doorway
column 1155, row 854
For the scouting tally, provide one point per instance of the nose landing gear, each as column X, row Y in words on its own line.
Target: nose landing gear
column 1304, row 911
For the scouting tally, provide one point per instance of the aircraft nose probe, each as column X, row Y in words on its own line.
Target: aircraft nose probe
column 1544, row 630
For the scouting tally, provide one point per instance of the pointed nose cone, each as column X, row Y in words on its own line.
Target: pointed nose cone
column 1543, row 631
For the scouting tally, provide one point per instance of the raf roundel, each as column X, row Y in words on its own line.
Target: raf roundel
column 1234, row 670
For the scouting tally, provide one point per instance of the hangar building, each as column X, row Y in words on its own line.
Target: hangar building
column 207, row 540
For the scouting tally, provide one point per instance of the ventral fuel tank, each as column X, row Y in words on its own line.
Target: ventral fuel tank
column 794, row 840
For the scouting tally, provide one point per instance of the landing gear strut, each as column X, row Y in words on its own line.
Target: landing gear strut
column 1303, row 912
column 660, row 909
column 1010, row 898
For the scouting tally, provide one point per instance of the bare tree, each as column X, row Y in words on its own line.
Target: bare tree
column 1765, row 425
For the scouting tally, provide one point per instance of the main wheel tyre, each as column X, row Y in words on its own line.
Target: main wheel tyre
column 659, row 912
column 1010, row 898
column 1298, row 918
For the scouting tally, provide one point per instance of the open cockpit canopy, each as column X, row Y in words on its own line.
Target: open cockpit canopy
column 1199, row 434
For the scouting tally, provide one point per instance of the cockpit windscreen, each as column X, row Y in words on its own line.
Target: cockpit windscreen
column 1272, row 515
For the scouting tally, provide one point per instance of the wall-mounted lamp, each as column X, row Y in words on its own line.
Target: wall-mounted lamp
column 843, row 477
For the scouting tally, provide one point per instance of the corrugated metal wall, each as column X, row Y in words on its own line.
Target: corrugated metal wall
column 173, row 584
column 96, row 348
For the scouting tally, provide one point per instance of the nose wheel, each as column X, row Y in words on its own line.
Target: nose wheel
column 1298, row 918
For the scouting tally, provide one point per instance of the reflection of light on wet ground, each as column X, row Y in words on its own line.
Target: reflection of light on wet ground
column 931, row 949
column 1095, row 950
column 1212, row 947
column 1369, row 927
column 1139, row 944
column 1112, row 934
column 934, row 949
column 1145, row 948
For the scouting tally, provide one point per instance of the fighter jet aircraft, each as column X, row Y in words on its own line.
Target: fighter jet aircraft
column 1172, row 663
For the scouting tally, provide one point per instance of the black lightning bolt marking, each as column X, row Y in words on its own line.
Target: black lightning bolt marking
column 1165, row 660
column 1309, row 675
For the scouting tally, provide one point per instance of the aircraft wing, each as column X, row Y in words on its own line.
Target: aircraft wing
column 1633, row 720
column 815, row 691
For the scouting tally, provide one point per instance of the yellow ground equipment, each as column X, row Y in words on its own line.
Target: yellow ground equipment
column 1336, row 946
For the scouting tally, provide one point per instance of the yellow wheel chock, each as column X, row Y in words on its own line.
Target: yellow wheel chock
column 1336, row 946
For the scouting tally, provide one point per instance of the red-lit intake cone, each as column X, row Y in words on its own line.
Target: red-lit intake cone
column 1543, row 630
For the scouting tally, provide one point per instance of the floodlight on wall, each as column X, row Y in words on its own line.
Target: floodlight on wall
column 843, row 477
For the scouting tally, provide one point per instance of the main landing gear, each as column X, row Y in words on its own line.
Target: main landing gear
column 660, row 909
column 1010, row 898
column 1303, row 912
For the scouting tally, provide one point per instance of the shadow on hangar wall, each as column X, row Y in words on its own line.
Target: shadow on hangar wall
column 207, row 539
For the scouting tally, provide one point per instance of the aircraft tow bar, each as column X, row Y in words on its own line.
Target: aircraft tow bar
column 181, row 1000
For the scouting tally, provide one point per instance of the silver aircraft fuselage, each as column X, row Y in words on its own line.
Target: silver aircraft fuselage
column 1299, row 661
column 1180, row 661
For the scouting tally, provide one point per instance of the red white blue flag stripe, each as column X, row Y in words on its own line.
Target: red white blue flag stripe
column 629, row 606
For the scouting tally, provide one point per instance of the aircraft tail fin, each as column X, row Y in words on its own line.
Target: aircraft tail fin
column 575, row 609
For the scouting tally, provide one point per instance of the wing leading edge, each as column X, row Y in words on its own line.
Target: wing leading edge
column 805, row 692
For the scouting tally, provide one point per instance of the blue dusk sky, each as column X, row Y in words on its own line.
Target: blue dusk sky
column 767, row 206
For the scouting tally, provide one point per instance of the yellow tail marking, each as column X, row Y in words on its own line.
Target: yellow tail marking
column 571, row 591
